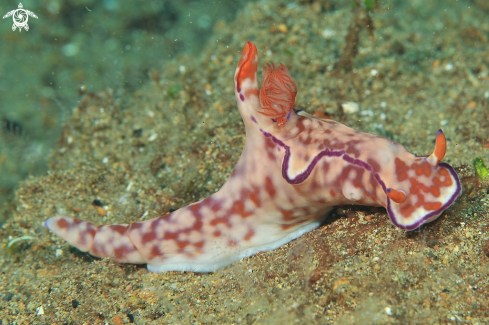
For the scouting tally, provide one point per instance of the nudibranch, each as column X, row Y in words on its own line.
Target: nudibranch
column 293, row 170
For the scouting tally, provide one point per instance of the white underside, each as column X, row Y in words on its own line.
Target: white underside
column 215, row 265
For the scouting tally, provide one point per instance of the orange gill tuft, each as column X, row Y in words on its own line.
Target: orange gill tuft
column 277, row 95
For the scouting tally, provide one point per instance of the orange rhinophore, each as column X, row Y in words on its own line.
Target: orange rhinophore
column 440, row 149
column 277, row 95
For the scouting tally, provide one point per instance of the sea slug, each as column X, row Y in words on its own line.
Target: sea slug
column 293, row 170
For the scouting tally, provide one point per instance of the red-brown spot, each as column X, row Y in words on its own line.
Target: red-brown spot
column 148, row 237
column 182, row 244
column 357, row 181
column 200, row 244
column 431, row 206
column 325, row 166
column 445, row 175
column 270, row 148
column 217, row 221
column 255, row 198
column 254, row 195
column 216, row 206
column 300, row 124
column 407, row 210
column 122, row 251
column 217, row 233
column 197, row 225
column 154, row 223
column 351, row 148
column 288, row 226
column 337, row 145
column 251, row 91
column 135, row 225
column 422, row 169
column 98, row 250
column 435, row 191
column 269, row 187
column 374, row 164
column 345, row 176
column 287, row 215
column 306, row 138
column 239, row 208
column 315, row 184
column 87, row 235
column 154, row 253
column 120, row 229
column 62, row 224
column 401, row 170
column 332, row 193
column 170, row 235
column 249, row 234
column 373, row 182
column 77, row 221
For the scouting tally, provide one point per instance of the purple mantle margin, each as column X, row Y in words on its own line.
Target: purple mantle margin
column 341, row 153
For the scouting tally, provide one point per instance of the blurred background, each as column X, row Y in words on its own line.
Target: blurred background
column 89, row 44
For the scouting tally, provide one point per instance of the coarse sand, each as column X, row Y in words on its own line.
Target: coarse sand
column 177, row 138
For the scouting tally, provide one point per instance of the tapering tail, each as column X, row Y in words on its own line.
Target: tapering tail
column 102, row 241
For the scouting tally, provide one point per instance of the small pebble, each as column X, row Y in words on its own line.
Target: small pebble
column 8, row 296
column 153, row 137
column 282, row 28
column 75, row 303
column 137, row 133
column 471, row 105
column 350, row 107
column 328, row 33
column 485, row 248
column 97, row 203
column 351, row 214
column 432, row 243
column 117, row 320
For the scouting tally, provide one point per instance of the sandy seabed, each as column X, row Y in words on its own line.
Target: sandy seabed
column 179, row 135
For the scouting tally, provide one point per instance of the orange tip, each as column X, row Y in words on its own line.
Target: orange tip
column 396, row 196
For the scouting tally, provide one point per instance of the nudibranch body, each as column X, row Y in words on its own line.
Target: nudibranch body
column 293, row 170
